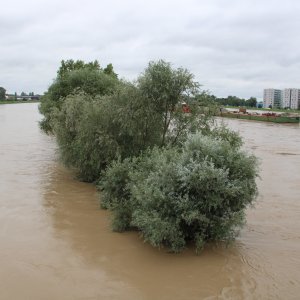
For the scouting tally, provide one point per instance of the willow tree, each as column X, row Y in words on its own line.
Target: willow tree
column 168, row 88
column 73, row 76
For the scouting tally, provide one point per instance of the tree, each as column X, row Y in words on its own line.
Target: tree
column 231, row 100
column 167, row 89
column 109, row 70
column 94, row 131
column 71, row 65
column 107, row 119
column 71, row 77
column 2, row 93
column 252, row 102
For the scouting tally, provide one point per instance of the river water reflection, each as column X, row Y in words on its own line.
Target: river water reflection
column 57, row 244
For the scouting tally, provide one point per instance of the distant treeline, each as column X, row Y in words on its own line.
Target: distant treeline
column 236, row 101
column 23, row 96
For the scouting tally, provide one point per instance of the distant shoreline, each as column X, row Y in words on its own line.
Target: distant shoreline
column 264, row 109
column 18, row 101
column 274, row 119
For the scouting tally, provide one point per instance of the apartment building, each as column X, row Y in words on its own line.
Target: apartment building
column 286, row 98
column 291, row 98
column 272, row 98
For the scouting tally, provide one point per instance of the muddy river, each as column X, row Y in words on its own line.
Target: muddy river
column 57, row 244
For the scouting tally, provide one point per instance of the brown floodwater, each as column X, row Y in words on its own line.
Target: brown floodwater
column 57, row 244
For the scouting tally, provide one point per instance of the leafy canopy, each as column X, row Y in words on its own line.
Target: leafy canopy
column 73, row 76
column 121, row 119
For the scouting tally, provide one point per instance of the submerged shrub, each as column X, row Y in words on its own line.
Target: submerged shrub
column 173, row 196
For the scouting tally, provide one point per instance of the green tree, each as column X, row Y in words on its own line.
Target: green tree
column 94, row 131
column 252, row 102
column 121, row 120
column 74, row 76
column 109, row 70
column 167, row 89
column 231, row 100
column 2, row 93
column 71, row 65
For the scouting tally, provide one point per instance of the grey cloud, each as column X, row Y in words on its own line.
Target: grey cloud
column 233, row 47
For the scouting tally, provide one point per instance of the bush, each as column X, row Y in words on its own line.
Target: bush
column 174, row 196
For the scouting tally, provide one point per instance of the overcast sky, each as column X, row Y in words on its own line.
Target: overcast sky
column 232, row 47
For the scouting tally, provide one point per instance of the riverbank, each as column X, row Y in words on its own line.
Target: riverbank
column 263, row 118
column 18, row 101
column 265, row 109
column 260, row 115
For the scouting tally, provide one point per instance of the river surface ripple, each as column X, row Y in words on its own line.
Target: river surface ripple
column 57, row 244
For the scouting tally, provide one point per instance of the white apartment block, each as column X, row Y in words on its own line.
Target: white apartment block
column 272, row 98
column 287, row 98
column 291, row 98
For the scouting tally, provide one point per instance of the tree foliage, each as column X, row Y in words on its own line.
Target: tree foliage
column 236, row 101
column 70, row 65
column 93, row 131
column 72, row 77
column 109, row 70
column 121, row 119
column 167, row 89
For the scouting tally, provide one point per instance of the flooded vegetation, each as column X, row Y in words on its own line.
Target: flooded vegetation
column 163, row 166
column 57, row 244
